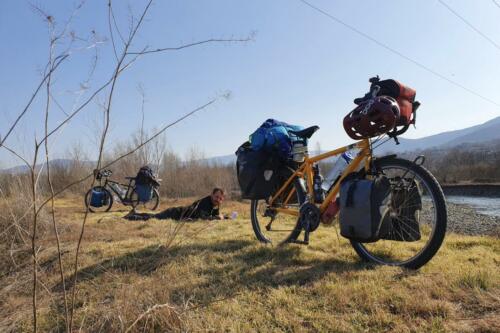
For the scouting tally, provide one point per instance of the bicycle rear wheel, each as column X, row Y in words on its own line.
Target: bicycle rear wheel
column 270, row 226
column 418, row 217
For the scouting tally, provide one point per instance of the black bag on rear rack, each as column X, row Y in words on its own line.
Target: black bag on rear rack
column 407, row 200
column 259, row 172
column 145, row 176
column 364, row 207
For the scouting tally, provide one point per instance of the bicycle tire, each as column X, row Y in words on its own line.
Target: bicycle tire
column 296, row 229
column 94, row 209
column 439, row 230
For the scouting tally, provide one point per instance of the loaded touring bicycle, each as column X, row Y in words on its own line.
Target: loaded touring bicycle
column 140, row 192
column 392, row 210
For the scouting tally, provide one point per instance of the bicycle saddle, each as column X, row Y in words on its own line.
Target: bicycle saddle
column 306, row 133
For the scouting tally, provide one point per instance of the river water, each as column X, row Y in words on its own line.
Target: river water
column 483, row 205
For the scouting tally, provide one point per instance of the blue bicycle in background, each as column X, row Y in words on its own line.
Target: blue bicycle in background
column 100, row 198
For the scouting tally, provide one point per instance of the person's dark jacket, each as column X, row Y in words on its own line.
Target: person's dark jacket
column 200, row 209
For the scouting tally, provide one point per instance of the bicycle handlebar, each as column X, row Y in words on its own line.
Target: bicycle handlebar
column 98, row 174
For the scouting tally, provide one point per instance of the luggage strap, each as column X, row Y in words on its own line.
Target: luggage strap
column 350, row 193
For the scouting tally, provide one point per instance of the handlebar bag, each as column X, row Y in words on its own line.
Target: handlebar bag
column 407, row 199
column 404, row 95
column 258, row 172
column 364, row 206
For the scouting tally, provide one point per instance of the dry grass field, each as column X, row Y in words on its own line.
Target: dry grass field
column 162, row 276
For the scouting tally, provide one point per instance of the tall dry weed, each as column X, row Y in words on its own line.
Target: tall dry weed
column 16, row 223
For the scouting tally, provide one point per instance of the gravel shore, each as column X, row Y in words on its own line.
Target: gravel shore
column 465, row 220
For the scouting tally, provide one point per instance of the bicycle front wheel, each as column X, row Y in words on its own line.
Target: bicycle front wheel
column 417, row 217
column 102, row 201
column 270, row 226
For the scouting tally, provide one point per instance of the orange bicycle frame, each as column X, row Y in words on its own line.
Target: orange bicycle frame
column 305, row 171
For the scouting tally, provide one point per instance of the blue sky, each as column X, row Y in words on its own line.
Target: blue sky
column 302, row 67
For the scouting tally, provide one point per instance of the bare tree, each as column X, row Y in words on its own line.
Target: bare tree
column 151, row 147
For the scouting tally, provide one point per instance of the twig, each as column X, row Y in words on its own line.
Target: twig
column 116, row 25
column 111, row 30
column 148, row 311
column 176, row 48
column 33, row 236
column 17, row 155
column 52, row 69
column 74, row 113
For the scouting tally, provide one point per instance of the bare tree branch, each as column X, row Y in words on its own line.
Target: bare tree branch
column 101, row 150
column 212, row 40
column 51, row 187
column 33, row 236
column 52, row 69
column 160, row 132
column 110, row 28
column 17, row 155
column 80, row 108
column 57, row 38
column 163, row 129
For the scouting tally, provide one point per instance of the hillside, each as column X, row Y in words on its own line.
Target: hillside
column 479, row 134
column 214, row 276
column 489, row 131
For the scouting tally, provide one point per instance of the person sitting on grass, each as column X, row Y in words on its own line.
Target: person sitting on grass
column 206, row 208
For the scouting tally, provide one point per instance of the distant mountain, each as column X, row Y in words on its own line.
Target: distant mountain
column 489, row 131
column 485, row 133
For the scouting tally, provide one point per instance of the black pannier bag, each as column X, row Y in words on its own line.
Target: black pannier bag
column 259, row 172
column 407, row 200
column 145, row 181
column 364, row 207
column 146, row 177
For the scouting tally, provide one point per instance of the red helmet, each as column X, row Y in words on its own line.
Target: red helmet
column 373, row 117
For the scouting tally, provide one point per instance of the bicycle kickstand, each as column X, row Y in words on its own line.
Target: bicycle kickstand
column 306, row 236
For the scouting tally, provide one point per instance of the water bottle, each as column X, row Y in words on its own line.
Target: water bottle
column 319, row 194
column 299, row 151
column 121, row 191
column 339, row 166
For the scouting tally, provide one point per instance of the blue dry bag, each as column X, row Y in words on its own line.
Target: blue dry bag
column 274, row 136
column 97, row 198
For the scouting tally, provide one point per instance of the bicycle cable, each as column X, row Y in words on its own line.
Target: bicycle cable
column 384, row 141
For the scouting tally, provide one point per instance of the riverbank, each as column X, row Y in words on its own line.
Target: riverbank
column 481, row 190
column 464, row 219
